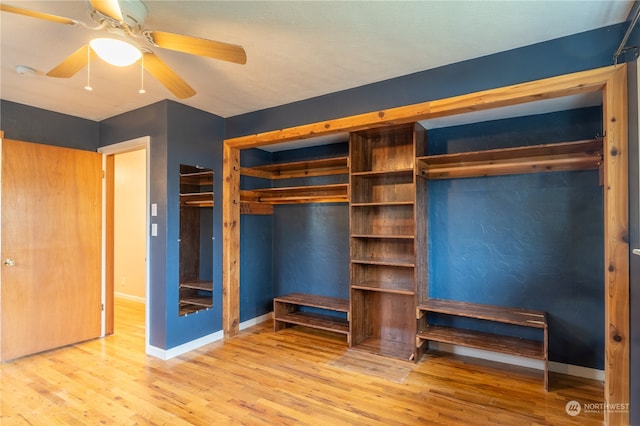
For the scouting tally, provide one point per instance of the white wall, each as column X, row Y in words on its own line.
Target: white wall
column 130, row 224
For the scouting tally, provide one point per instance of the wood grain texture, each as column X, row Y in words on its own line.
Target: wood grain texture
column 289, row 310
column 616, row 250
column 38, row 15
column 200, row 46
column 293, row 377
column 231, row 242
column 308, row 168
column 504, row 314
column 52, row 228
column 327, row 193
column 382, row 235
column 330, row 193
column 165, row 75
column 581, row 155
column 73, row 63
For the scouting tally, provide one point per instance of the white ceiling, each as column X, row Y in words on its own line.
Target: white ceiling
column 295, row 49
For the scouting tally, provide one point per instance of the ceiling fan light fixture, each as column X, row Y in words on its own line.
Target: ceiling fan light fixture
column 115, row 52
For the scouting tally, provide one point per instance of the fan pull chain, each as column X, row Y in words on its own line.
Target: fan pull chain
column 88, row 86
column 142, row 91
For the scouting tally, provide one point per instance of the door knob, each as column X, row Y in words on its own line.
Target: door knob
column 9, row 262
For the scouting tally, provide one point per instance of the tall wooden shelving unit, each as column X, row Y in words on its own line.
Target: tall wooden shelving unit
column 384, row 240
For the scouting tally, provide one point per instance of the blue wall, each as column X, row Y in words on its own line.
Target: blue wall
column 179, row 135
column 311, row 249
column 26, row 123
column 533, row 241
column 149, row 121
column 256, row 260
column 311, row 241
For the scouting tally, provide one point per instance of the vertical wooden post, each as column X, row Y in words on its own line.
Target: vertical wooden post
column 231, row 242
column 616, row 250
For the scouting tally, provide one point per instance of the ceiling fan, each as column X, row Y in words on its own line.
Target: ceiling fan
column 124, row 19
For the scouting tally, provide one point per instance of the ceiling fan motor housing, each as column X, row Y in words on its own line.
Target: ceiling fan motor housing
column 134, row 13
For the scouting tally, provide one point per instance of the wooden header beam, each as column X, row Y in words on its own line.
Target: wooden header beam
column 610, row 81
column 555, row 87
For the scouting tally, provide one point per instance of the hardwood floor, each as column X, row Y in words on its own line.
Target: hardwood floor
column 294, row 376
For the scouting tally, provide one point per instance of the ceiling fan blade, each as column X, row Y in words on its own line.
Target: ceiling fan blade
column 74, row 63
column 167, row 76
column 39, row 15
column 200, row 46
column 109, row 8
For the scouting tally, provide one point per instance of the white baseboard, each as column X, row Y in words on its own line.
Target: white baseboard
column 166, row 354
column 556, row 367
column 126, row 296
column 256, row 320
column 576, row 370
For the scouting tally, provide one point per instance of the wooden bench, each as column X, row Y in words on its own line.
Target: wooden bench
column 286, row 312
column 535, row 349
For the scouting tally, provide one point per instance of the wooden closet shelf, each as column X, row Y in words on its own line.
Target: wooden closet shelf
column 508, row 315
column 308, row 168
column 383, row 173
column 383, row 204
column 197, row 178
column 261, row 201
column 385, row 236
column 315, row 301
column 581, row 155
column 197, row 199
column 286, row 312
column 405, row 263
column 385, row 287
column 487, row 341
column 198, row 285
column 536, row 349
column 333, row 193
column 197, row 301
column 313, row 320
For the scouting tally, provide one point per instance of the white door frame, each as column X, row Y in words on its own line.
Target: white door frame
column 143, row 142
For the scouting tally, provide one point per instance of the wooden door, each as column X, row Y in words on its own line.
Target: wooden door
column 50, row 247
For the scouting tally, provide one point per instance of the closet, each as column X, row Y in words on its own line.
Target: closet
column 310, row 310
column 389, row 310
column 389, row 303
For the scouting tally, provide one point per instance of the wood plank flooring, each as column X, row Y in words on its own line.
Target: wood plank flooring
column 292, row 377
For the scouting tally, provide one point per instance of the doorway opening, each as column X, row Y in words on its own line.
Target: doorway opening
column 126, row 236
